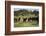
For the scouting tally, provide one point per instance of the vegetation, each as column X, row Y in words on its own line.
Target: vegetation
column 26, row 18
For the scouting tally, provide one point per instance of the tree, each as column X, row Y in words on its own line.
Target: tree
column 36, row 12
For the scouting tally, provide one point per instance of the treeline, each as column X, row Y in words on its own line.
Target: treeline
column 24, row 12
column 26, row 15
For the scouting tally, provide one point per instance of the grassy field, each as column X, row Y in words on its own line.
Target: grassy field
column 26, row 24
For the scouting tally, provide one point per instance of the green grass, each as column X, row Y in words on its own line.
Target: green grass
column 26, row 24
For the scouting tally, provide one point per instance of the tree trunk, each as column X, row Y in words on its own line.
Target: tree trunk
column 27, row 20
column 21, row 20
